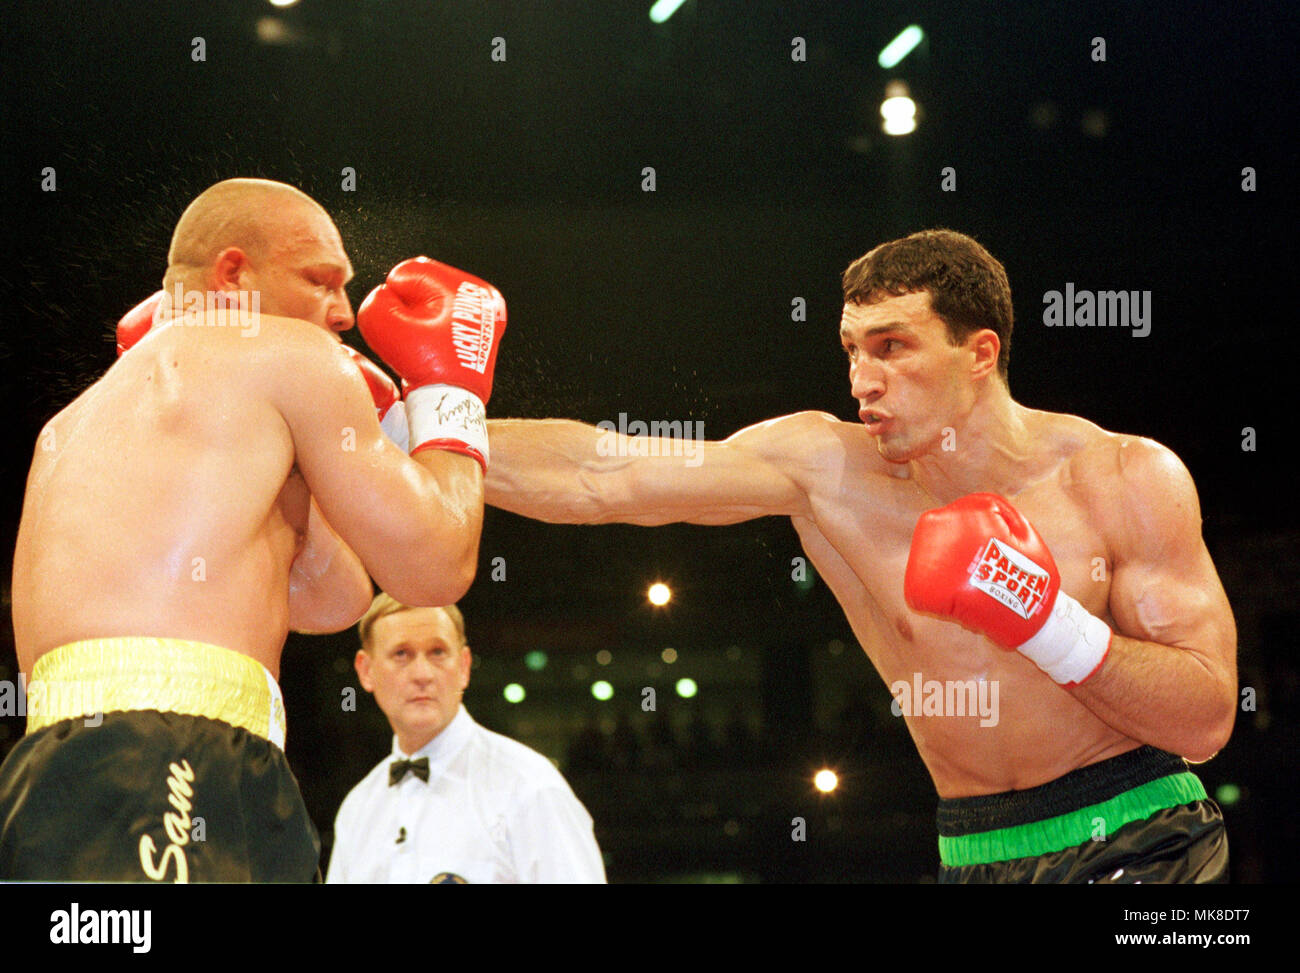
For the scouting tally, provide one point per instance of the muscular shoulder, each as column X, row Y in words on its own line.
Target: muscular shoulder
column 1137, row 490
column 814, row 450
column 811, row 441
column 302, row 370
column 289, row 351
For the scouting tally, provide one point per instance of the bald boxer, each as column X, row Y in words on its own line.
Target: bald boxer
column 971, row 540
column 224, row 482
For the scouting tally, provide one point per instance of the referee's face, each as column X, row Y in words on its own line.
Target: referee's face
column 417, row 669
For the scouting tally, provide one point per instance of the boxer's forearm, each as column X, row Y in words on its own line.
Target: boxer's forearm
column 1173, row 698
column 457, row 480
column 552, row 470
column 570, row 473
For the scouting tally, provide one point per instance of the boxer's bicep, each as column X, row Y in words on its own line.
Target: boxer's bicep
column 761, row 471
column 1165, row 588
column 724, row 482
column 385, row 507
column 329, row 588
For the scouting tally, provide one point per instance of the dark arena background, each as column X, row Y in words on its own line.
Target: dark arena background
column 667, row 208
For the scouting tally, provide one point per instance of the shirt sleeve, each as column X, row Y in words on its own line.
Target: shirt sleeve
column 552, row 839
column 340, row 853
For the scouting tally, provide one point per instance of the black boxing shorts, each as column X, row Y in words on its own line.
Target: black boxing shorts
column 153, row 760
column 1139, row 817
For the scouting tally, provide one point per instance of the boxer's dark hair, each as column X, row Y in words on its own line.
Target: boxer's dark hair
column 968, row 287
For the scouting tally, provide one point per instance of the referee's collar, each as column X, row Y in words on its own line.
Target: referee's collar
column 442, row 748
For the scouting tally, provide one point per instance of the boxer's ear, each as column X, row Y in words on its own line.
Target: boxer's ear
column 985, row 345
column 228, row 270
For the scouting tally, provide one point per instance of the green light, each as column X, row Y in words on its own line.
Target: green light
column 686, row 688
column 535, row 660
column 1228, row 794
column 901, row 46
column 514, row 693
column 602, row 690
column 663, row 9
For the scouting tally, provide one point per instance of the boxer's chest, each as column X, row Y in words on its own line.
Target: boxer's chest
column 873, row 535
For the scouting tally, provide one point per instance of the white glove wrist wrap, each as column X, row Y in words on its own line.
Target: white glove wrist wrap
column 1071, row 644
column 447, row 412
column 394, row 425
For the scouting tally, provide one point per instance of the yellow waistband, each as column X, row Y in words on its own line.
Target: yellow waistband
column 84, row 679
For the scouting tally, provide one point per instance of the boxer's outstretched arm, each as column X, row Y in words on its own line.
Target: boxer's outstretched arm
column 568, row 472
column 329, row 588
column 1170, row 678
column 414, row 524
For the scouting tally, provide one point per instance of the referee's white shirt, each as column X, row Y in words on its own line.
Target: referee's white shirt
column 493, row 810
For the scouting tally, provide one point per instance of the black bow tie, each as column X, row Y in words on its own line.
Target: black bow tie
column 398, row 768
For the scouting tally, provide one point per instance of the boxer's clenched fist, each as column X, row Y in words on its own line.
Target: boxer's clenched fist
column 135, row 323
column 439, row 328
column 980, row 563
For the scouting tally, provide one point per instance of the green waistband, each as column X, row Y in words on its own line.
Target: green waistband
column 1074, row 828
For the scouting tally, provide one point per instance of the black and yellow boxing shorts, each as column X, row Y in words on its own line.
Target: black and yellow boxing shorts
column 1139, row 817
column 151, row 759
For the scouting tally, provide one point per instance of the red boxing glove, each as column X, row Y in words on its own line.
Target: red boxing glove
column 980, row 563
column 135, row 324
column 388, row 400
column 439, row 328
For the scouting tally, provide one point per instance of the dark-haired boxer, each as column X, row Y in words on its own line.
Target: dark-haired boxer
column 227, row 480
column 1075, row 582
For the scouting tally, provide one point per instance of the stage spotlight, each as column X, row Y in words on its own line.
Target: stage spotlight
column 826, row 780
column 900, row 46
column 898, row 110
column 663, row 9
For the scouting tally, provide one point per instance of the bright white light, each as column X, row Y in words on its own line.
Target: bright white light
column 663, row 9
column 283, row 3
column 898, row 110
column 514, row 693
column 826, row 781
column 900, row 46
column 602, row 690
column 659, row 593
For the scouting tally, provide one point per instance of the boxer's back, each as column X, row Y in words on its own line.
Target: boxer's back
column 163, row 502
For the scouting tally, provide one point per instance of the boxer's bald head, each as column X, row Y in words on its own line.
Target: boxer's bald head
column 259, row 234
column 251, row 214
